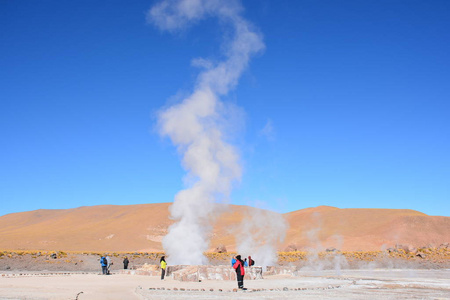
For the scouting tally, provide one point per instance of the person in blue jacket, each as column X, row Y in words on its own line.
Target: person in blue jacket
column 104, row 264
column 233, row 261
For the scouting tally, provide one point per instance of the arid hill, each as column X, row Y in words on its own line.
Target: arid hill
column 356, row 229
column 142, row 227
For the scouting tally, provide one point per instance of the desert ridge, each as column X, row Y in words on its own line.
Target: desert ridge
column 142, row 227
column 358, row 229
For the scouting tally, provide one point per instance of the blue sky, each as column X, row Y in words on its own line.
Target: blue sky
column 347, row 106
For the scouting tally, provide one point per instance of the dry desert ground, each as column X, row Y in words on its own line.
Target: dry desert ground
column 360, row 275
column 349, row 284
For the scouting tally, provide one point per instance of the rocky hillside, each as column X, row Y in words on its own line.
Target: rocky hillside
column 142, row 227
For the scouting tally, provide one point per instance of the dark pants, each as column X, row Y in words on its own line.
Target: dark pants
column 163, row 272
column 240, row 280
column 104, row 270
column 125, row 266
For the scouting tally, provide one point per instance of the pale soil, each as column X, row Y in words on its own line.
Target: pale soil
column 77, row 262
column 350, row 284
column 37, row 277
column 69, row 262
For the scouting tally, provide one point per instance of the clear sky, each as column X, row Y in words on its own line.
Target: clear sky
column 348, row 105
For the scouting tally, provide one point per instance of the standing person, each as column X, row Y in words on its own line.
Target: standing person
column 108, row 264
column 163, row 267
column 233, row 260
column 125, row 263
column 240, row 271
column 245, row 262
column 251, row 262
column 104, row 264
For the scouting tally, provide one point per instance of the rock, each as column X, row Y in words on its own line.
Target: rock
column 291, row 248
column 421, row 255
column 444, row 246
column 331, row 249
column 221, row 249
column 403, row 247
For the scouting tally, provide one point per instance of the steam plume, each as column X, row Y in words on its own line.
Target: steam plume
column 193, row 125
column 261, row 233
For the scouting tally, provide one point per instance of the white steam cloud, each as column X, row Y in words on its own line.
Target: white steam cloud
column 261, row 232
column 193, row 125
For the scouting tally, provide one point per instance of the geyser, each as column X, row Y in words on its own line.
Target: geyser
column 261, row 232
column 194, row 124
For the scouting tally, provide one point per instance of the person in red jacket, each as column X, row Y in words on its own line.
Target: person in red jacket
column 251, row 262
column 240, row 271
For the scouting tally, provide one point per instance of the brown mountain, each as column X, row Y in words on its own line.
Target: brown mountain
column 365, row 229
column 142, row 227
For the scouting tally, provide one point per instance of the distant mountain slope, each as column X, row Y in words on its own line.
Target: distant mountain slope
column 99, row 228
column 85, row 228
column 364, row 229
column 142, row 227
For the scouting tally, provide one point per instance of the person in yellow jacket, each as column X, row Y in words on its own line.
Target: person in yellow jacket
column 163, row 267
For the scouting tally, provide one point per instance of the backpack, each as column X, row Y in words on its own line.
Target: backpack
column 104, row 262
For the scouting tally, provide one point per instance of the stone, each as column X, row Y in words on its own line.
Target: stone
column 405, row 248
column 221, row 249
column 291, row 248
column 421, row 255
column 444, row 246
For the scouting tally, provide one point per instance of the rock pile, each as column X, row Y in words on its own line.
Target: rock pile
column 199, row 273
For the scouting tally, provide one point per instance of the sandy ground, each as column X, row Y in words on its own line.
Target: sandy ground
column 350, row 284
